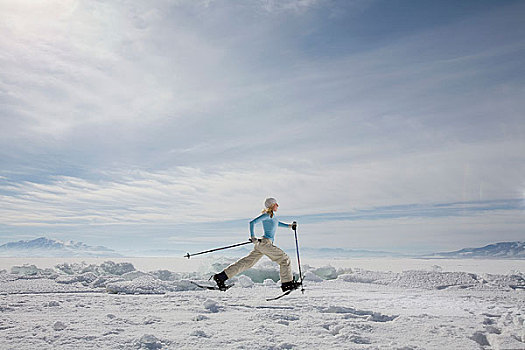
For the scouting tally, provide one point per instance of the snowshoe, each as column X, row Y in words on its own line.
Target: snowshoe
column 292, row 285
column 220, row 278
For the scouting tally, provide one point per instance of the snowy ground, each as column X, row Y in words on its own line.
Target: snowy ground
column 113, row 306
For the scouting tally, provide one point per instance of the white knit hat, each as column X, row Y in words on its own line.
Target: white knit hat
column 269, row 202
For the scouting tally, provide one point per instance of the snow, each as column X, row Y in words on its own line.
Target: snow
column 114, row 305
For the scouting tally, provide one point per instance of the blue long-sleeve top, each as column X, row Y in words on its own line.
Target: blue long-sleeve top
column 269, row 225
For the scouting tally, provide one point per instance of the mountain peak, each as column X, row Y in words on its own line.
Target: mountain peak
column 43, row 246
column 508, row 250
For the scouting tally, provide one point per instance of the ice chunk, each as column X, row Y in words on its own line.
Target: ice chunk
column 480, row 338
column 245, row 281
column 147, row 284
column 326, row 272
column 364, row 276
column 87, row 277
column 33, row 271
column 149, row 342
column 106, row 268
column 52, row 303
column 151, row 320
column 310, row 276
column 505, row 342
column 117, row 268
column 354, row 313
column 141, row 285
column 269, row 282
column 166, row 275
column 130, row 276
column 200, row 318
column 59, row 326
column 28, row 270
column 211, row 306
column 199, row 333
column 103, row 281
column 259, row 275
column 435, row 280
column 75, row 268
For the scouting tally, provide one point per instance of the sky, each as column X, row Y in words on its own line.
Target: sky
column 147, row 125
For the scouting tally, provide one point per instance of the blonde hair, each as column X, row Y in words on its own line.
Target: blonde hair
column 268, row 211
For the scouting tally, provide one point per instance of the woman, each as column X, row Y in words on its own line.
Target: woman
column 263, row 246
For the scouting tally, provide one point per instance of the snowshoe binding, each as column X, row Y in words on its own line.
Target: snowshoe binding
column 220, row 278
column 289, row 286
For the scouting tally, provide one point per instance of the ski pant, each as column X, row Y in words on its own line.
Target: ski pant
column 264, row 247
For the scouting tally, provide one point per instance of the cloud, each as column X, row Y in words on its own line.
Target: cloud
column 187, row 205
column 188, row 112
column 418, row 234
column 189, row 194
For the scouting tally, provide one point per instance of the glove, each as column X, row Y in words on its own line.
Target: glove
column 254, row 240
column 294, row 225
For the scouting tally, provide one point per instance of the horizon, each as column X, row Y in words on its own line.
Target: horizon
column 378, row 125
column 239, row 251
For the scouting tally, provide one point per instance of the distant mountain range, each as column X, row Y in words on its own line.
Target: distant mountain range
column 45, row 247
column 502, row 250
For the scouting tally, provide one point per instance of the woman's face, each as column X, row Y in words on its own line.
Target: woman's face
column 275, row 206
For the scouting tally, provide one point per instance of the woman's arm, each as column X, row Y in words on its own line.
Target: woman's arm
column 282, row 224
column 254, row 221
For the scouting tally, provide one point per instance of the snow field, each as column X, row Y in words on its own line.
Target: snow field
column 113, row 306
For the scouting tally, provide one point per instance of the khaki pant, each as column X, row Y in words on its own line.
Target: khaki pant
column 264, row 247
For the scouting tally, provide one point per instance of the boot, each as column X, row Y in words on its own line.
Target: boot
column 220, row 278
column 290, row 285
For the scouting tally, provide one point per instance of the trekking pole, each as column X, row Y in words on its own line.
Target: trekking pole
column 294, row 226
column 188, row 255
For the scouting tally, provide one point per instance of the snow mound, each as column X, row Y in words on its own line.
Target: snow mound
column 31, row 271
column 130, row 276
column 354, row 313
column 199, row 333
column 212, row 306
column 51, row 303
column 326, row 272
column 364, row 276
column 123, row 278
column 310, row 276
column 106, row 268
column 245, row 281
column 436, row 279
column 59, row 326
column 200, row 318
column 85, row 278
column 148, row 285
column 166, row 275
column 42, row 286
column 149, row 342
